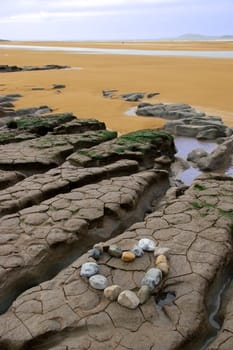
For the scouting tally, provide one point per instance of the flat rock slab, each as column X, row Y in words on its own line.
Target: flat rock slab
column 64, row 123
column 79, row 125
column 66, row 313
column 9, row 178
column 12, row 69
column 13, row 136
column 47, row 151
column 184, row 120
column 36, row 188
column 143, row 146
column 37, row 238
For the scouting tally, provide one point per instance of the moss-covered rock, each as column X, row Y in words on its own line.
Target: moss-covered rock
column 142, row 145
column 8, row 136
column 40, row 125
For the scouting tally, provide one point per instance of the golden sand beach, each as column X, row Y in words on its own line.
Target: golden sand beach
column 204, row 83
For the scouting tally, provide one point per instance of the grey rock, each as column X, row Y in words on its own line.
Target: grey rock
column 188, row 130
column 219, row 157
column 132, row 97
column 98, row 282
column 89, row 269
column 128, row 299
column 152, row 278
column 196, row 154
column 163, row 160
column 99, row 246
column 38, row 88
column 95, row 253
column 115, row 251
column 209, row 134
column 58, row 86
column 109, row 93
column 147, row 244
column 112, row 292
column 33, row 110
column 144, row 294
column 152, row 94
column 138, row 251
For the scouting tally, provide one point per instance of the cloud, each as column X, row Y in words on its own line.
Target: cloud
column 96, row 19
column 29, row 11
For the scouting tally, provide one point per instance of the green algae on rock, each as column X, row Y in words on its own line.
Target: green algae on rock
column 142, row 145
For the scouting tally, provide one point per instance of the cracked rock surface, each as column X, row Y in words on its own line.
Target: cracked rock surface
column 67, row 184
column 65, row 313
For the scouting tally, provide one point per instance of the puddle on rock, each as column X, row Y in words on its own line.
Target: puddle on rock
column 131, row 112
column 185, row 145
column 164, row 298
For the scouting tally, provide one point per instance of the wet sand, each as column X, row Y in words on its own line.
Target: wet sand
column 202, row 82
column 143, row 45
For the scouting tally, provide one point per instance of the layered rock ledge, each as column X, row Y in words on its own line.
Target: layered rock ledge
column 66, row 313
column 69, row 183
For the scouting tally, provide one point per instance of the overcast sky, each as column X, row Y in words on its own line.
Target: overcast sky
column 113, row 19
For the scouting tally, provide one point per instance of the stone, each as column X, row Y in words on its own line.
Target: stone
column 152, row 278
column 132, row 97
column 115, row 251
column 161, row 263
column 163, row 267
column 99, row 246
column 95, row 253
column 128, row 256
column 144, row 294
column 112, row 292
column 147, row 244
column 138, row 251
column 58, row 86
column 128, row 299
column 161, row 251
column 89, row 269
column 219, row 157
column 196, row 154
column 152, row 94
column 161, row 259
column 163, row 160
column 98, row 282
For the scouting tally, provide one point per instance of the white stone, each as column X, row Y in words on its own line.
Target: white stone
column 128, row 299
column 89, row 269
column 147, row 244
column 138, row 251
column 98, row 282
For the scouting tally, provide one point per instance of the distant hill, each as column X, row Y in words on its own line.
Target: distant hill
column 199, row 37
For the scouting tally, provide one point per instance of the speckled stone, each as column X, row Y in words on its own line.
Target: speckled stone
column 128, row 256
column 99, row 246
column 138, row 251
column 112, row 292
column 147, row 244
column 115, row 251
column 161, row 259
column 161, row 251
column 95, row 253
column 144, row 294
column 152, row 278
column 164, row 267
column 89, row 269
column 161, row 263
column 128, row 299
column 98, row 282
